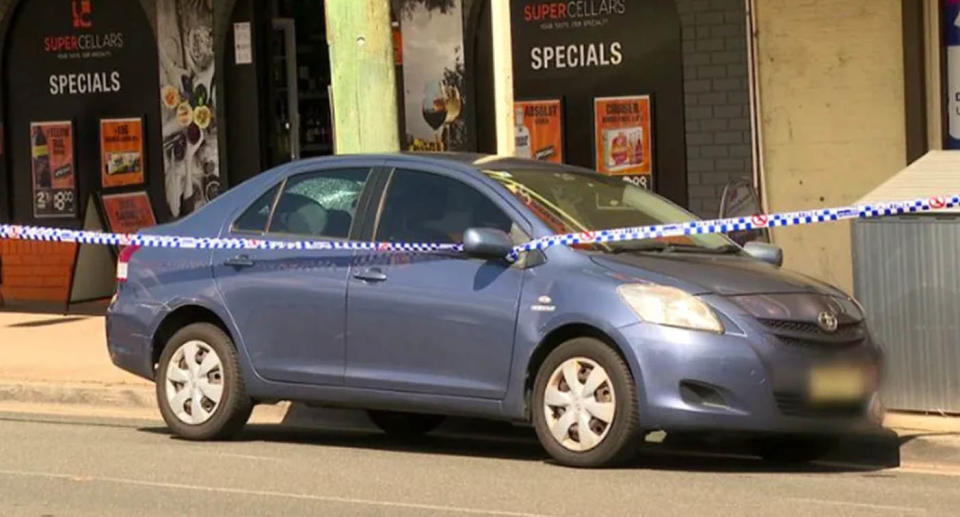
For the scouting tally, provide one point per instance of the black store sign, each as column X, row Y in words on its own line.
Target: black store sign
column 579, row 50
column 77, row 61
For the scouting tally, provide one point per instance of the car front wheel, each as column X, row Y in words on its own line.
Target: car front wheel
column 200, row 389
column 585, row 408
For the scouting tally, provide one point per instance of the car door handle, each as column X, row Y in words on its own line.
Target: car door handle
column 239, row 261
column 371, row 275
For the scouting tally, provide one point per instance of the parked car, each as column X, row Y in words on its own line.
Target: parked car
column 595, row 345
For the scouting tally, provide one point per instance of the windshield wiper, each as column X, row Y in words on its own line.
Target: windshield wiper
column 641, row 246
column 670, row 247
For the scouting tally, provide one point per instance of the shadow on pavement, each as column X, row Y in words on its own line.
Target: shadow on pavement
column 46, row 323
column 479, row 438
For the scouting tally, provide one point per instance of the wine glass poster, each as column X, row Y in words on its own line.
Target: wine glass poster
column 433, row 75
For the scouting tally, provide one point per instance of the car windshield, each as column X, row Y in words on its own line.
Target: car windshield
column 570, row 202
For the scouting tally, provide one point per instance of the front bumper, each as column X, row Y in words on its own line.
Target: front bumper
column 744, row 381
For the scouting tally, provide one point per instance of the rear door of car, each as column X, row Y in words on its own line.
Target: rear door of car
column 290, row 305
column 438, row 323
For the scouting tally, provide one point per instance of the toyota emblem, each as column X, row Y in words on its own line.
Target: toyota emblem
column 828, row 321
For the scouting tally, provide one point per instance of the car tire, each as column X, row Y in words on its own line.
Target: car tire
column 611, row 410
column 793, row 449
column 405, row 425
column 200, row 361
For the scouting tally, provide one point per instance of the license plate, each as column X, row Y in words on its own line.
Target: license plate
column 836, row 384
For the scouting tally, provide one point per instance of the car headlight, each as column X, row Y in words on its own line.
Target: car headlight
column 669, row 306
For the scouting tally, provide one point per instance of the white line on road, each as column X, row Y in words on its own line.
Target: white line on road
column 265, row 493
column 867, row 506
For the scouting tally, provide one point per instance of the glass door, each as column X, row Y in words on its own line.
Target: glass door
column 299, row 90
column 286, row 145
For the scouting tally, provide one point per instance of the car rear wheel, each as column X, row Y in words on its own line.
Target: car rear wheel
column 200, row 390
column 405, row 425
column 585, row 409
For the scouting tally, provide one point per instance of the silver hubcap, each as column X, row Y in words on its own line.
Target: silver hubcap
column 194, row 383
column 579, row 404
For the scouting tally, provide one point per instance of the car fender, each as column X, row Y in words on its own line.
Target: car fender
column 515, row 403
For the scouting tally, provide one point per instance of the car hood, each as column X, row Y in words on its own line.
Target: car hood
column 727, row 275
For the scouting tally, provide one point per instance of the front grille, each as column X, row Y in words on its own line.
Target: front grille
column 793, row 404
column 810, row 335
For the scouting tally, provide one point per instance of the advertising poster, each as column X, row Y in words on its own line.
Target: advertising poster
column 129, row 212
column 121, row 152
column 433, row 75
column 539, row 130
column 191, row 162
column 54, row 177
column 951, row 42
column 622, row 128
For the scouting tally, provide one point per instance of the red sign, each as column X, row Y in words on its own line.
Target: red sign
column 127, row 213
column 81, row 14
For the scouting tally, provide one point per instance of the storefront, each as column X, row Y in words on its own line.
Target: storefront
column 118, row 115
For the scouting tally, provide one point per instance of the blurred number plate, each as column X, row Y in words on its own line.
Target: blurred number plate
column 836, row 384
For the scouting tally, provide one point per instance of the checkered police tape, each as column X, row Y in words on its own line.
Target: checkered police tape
column 733, row 224
column 37, row 233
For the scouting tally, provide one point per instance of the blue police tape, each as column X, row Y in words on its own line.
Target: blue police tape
column 759, row 221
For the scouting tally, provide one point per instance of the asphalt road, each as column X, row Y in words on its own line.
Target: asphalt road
column 57, row 466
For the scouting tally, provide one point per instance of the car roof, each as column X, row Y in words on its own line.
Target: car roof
column 475, row 161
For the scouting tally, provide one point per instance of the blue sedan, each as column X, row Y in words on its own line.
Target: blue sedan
column 595, row 345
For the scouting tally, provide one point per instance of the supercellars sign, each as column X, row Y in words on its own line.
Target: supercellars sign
column 570, row 35
column 87, row 51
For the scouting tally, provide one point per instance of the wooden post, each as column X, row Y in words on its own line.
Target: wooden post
column 363, row 79
column 503, row 77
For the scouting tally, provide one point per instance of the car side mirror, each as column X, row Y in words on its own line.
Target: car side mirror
column 770, row 253
column 486, row 243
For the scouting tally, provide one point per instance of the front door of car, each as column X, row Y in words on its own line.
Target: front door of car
column 439, row 323
column 290, row 305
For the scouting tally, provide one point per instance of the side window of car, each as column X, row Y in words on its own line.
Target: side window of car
column 424, row 207
column 254, row 218
column 319, row 204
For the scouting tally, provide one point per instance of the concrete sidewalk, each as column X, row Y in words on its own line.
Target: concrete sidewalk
column 59, row 364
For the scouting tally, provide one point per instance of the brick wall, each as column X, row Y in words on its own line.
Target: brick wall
column 716, row 97
column 36, row 271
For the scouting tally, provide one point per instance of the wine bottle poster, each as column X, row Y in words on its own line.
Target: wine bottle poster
column 539, row 131
column 622, row 128
column 52, row 164
column 121, row 152
column 433, row 76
